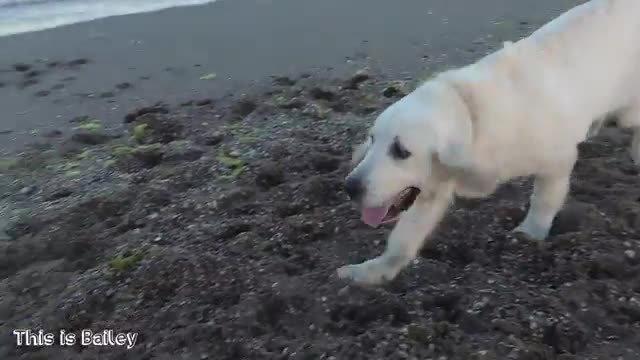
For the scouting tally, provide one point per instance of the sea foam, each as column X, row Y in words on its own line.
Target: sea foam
column 19, row 16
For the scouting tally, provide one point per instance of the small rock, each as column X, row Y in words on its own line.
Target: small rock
column 319, row 93
column 482, row 303
column 293, row 103
column 485, row 355
column 21, row 67
column 155, row 109
column 448, row 301
column 32, row 74
column 270, row 174
column 391, row 91
column 77, row 62
column 608, row 266
column 124, row 86
column 69, row 148
column 342, row 106
column 322, row 189
column 149, row 155
column 59, row 194
column 27, row 190
column 213, row 139
column 630, row 254
column 316, row 111
column 20, row 226
column 441, row 328
column 354, row 82
column 204, row 102
column 42, row 93
column 107, row 94
column 182, row 151
column 80, row 119
column 324, row 163
column 396, row 89
column 52, row 133
column 508, row 327
column 283, row 81
column 419, row 334
column 158, row 128
column 234, row 196
column 90, row 137
column 244, row 107
column 28, row 82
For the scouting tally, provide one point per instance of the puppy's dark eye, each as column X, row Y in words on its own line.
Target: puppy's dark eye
column 398, row 151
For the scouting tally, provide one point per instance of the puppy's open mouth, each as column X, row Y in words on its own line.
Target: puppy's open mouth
column 391, row 211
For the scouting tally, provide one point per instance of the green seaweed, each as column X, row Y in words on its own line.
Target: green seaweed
column 121, row 151
column 122, row 263
column 140, row 131
column 209, row 76
column 8, row 164
column 233, row 163
column 91, row 125
column 85, row 155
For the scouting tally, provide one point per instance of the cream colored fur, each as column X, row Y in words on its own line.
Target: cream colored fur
column 517, row 112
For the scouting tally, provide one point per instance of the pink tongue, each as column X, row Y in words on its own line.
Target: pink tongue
column 374, row 216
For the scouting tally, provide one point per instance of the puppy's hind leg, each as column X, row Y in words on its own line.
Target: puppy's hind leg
column 549, row 193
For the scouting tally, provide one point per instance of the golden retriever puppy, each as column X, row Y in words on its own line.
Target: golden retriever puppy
column 519, row 111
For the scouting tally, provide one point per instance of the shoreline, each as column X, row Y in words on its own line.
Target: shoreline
column 161, row 56
column 19, row 18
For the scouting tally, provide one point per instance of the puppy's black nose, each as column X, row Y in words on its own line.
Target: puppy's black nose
column 354, row 188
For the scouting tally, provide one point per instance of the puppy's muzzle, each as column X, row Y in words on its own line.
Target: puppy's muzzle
column 354, row 188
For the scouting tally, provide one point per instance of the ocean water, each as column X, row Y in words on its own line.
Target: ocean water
column 19, row 16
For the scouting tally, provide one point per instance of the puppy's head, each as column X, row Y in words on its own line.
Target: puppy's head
column 413, row 146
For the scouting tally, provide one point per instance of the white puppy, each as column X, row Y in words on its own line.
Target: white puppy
column 517, row 112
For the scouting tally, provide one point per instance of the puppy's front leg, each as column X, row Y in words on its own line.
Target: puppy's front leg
column 549, row 193
column 404, row 242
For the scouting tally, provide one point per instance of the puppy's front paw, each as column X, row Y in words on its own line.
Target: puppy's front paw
column 371, row 272
column 532, row 231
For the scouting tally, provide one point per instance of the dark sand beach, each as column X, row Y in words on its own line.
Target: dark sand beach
column 178, row 175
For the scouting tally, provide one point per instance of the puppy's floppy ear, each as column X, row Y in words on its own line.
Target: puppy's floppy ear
column 455, row 146
column 359, row 152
